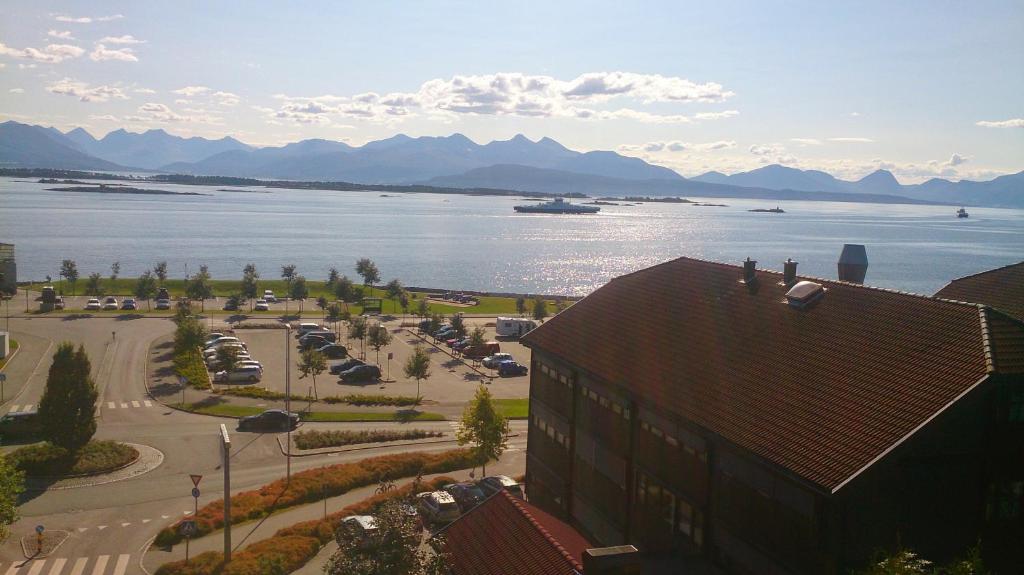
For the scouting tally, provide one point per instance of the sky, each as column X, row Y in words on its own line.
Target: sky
column 921, row 88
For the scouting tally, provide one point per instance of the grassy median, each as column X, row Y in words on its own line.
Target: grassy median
column 229, row 410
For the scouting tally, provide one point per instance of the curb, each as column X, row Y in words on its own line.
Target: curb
column 15, row 397
column 7, row 360
column 450, row 354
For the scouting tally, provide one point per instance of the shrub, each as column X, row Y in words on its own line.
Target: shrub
column 334, row 438
column 312, row 484
column 202, row 564
column 191, row 367
column 369, row 399
column 47, row 459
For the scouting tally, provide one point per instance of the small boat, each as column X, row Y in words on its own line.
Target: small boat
column 962, row 213
column 558, row 206
column 775, row 210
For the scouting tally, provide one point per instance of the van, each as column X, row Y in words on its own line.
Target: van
column 269, row 296
column 513, row 326
column 482, row 350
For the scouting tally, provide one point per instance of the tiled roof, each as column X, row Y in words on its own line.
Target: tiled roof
column 821, row 391
column 1006, row 336
column 1001, row 288
column 506, row 536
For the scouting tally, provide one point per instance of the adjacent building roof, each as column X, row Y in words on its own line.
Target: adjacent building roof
column 1001, row 288
column 821, row 391
column 506, row 536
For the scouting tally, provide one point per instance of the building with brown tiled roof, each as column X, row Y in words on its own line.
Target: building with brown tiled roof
column 776, row 426
column 1000, row 288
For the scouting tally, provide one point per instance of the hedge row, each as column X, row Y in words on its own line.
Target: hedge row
column 313, row 484
column 291, row 547
column 46, row 459
column 191, row 367
column 338, row 437
column 359, row 399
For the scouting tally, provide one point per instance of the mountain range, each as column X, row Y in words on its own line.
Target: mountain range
column 456, row 161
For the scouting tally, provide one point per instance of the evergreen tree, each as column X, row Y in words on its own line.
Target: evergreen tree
column 68, row 406
column 540, row 309
column 484, row 428
column 521, row 305
column 12, row 483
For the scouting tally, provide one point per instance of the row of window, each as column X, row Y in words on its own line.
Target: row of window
column 605, row 402
column 680, row 517
column 690, row 450
column 554, row 374
column 549, row 428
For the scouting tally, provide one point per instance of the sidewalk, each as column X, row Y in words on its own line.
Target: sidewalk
column 245, row 534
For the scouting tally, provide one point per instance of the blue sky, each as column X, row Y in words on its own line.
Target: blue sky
column 921, row 88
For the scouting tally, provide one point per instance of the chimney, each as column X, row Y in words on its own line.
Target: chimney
column 789, row 271
column 853, row 263
column 750, row 271
column 618, row 560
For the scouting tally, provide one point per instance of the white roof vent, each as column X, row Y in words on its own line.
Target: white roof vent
column 804, row 293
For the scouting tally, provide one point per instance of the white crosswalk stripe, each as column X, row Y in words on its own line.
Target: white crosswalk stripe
column 35, row 568
column 55, row 566
column 134, row 403
column 58, row 566
column 79, row 566
column 14, row 409
column 101, row 565
column 28, row 407
column 124, row 405
column 148, row 403
column 111, row 405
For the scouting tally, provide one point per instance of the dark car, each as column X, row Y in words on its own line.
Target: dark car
column 313, row 342
column 333, row 351
column 363, row 372
column 231, row 304
column 467, row 495
column 129, row 304
column 322, row 334
column 338, row 368
column 269, row 420
column 425, row 325
column 21, row 425
column 511, row 368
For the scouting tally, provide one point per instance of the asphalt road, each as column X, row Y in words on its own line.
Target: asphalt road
column 109, row 524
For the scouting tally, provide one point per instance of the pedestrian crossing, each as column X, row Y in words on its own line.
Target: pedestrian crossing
column 71, row 566
column 19, row 408
column 130, row 404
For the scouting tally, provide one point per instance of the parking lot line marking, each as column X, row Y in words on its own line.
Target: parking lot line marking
column 111, row 405
column 58, row 566
column 165, row 517
column 148, row 403
column 27, row 408
column 83, row 529
column 146, row 520
column 125, row 524
column 101, row 565
column 122, row 564
column 79, row 566
column 124, row 405
column 135, row 404
column 14, row 409
column 101, row 527
column 36, row 567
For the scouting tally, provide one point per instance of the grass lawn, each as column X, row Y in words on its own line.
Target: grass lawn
column 513, row 408
column 13, row 346
column 95, row 457
column 228, row 410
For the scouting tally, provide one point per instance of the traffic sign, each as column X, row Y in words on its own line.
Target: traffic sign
column 182, row 380
column 3, row 377
column 187, row 528
column 196, row 479
column 195, row 492
column 39, row 529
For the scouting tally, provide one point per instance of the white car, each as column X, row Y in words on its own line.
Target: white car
column 248, row 374
column 110, row 303
column 163, row 304
column 437, row 507
column 93, row 304
column 212, row 338
column 262, row 305
column 492, row 361
column 212, row 350
column 268, row 295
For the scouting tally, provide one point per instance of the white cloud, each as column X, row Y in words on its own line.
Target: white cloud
column 126, row 39
column 85, row 93
column 161, row 113
column 855, row 114
column 51, row 54
column 192, row 90
column 851, row 140
column 62, row 34
column 806, row 141
column 144, row 91
column 101, row 53
column 955, row 160
column 1011, row 123
column 678, row 146
column 105, row 118
column 647, row 88
column 227, row 98
column 87, row 19
column 716, row 115
column 17, row 90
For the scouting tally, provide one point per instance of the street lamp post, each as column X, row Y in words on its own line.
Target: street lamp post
column 288, row 393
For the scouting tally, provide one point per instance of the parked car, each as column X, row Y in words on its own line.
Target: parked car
column 314, row 342
column 482, row 350
column 58, row 302
column 20, row 425
column 213, row 362
column 241, row 374
column 128, row 303
column 495, row 483
column 323, row 333
column 110, row 302
column 231, row 304
column 249, row 362
column 223, row 340
column 269, row 420
column 365, row 372
column 424, row 325
column 437, row 507
column 305, row 328
column 212, row 337
column 511, row 368
column 467, row 495
column 461, row 344
column 492, row 361
column 93, row 303
column 362, row 528
column 269, row 296
column 338, row 368
column 333, row 351
column 261, row 305
column 444, row 332
column 163, row 303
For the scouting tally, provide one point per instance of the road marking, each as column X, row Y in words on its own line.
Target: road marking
column 165, row 517
column 146, row 520
column 79, row 566
column 27, row 408
column 83, row 529
column 101, row 565
column 135, row 404
column 148, row 403
column 124, row 405
column 36, row 567
column 101, row 527
column 111, row 405
column 58, row 566
column 14, row 409
column 125, row 524
column 122, row 564
column 189, row 512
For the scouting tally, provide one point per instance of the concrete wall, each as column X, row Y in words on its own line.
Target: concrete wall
column 5, row 344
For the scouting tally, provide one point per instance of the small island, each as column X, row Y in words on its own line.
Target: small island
column 104, row 189
column 775, row 210
column 604, row 203
column 710, row 205
column 243, row 191
column 666, row 200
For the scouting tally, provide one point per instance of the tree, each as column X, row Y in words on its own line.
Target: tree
column 332, row 276
column 189, row 336
column 12, row 483
column 403, row 302
column 396, row 550
column 182, row 311
column 312, row 363
column 477, row 336
column 288, row 275
column 379, row 337
column 423, row 309
column 540, row 309
column 357, row 330
column 436, row 321
column 368, row 271
column 298, row 290
column 484, row 428
column 227, row 358
column 905, row 561
column 94, row 285
column 199, row 287
column 521, row 305
column 459, row 326
column 68, row 406
column 160, row 269
column 343, row 289
column 250, row 286
column 321, row 302
column 115, row 270
column 418, row 368
column 69, row 271
column 394, row 289
column 145, row 288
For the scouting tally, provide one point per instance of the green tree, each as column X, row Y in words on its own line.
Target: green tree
column 145, row 288
column 321, row 302
column 540, row 309
column 94, row 285
column 160, row 269
column 227, row 358
column 394, row 289
column 298, row 291
column 332, row 276
column 477, row 336
column 12, row 483
column 311, row 364
column 368, row 271
column 250, row 283
column 189, row 336
column 357, row 329
column 418, row 367
column 182, row 311
column 459, row 325
column 423, row 309
column 115, row 270
column 379, row 337
column 521, row 305
column 483, row 428
column 69, row 271
column 343, row 289
column 199, row 287
column 403, row 302
column 288, row 275
column 436, row 321
column 68, row 406
column 397, row 549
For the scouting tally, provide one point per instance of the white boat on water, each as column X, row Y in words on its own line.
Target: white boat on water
column 557, row 206
column 962, row 213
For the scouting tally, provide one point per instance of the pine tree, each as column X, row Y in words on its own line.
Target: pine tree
column 67, row 408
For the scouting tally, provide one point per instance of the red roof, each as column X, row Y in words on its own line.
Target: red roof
column 506, row 536
column 821, row 391
column 1001, row 288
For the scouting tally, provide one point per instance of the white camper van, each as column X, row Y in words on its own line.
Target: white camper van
column 514, row 326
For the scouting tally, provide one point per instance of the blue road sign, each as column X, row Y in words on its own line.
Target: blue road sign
column 195, row 492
